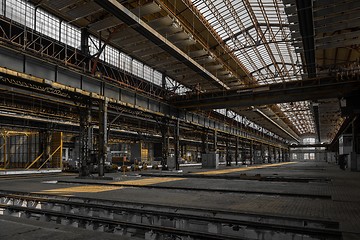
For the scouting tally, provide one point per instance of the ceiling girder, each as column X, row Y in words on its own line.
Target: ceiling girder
column 134, row 22
column 293, row 91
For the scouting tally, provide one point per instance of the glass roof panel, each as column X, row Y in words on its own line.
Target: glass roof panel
column 257, row 32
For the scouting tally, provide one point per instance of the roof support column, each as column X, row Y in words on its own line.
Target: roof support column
column 177, row 143
column 228, row 153
column 262, row 149
column 205, row 142
column 102, row 143
column 5, row 149
column 84, row 41
column 45, row 145
column 165, row 144
column 236, row 150
column 354, row 155
column 243, row 154
column 85, row 141
column 215, row 141
column 251, row 152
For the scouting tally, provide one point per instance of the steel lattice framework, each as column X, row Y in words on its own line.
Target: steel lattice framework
column 257, row 32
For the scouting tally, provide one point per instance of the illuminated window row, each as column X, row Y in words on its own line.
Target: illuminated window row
column 246, row 122
column 24, row 13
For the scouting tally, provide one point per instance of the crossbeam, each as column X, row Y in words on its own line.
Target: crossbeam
column 123, row 14
column 303, row 90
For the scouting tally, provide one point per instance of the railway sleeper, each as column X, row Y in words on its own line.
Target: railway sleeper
column 207, row 225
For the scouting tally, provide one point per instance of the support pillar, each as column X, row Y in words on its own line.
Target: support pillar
column 102, row 143
column 197, row 154
column 85, row 142
column 204, row 143
column 274, row 150
column 262, row 154
column 287, row 156
column 215, row 141
column 45, row 146
column 243, row 155
column 182, row 151
column 228, row 155
column 251, row 152
column 279, row 153
column 185, row 152
column 236, row 150
column 5, row 149
column 84, row 41
column 354, row 158
column 208, row 159
column 177, row 143
column 165, row 144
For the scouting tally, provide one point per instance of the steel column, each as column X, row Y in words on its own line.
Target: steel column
column 102, row 143
column 177, row 143
column 236, row 150
column 228, row 156
column 251, row 152
column 205, row 143
column 262, row 153
column 45, row 145
column 274, row 154
column 215, row 141
column 5, row 150
column 165, row 143
column 85, row 42
column 85, row 142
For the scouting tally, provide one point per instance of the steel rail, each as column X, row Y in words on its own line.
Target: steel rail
column 138, row 226
column 202, row 189
column 329, row 228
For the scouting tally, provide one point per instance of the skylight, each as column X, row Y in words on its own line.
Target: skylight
column 258, row 34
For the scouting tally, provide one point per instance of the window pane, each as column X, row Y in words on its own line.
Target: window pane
column 70, row 35
column 112, row 56
column 1, row 7
column 47, row 24
column 157, row 78
column 21, row 12
column 137, row 68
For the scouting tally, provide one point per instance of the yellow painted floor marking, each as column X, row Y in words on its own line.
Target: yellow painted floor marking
column 223, row 171
column 80, row 189
column 149, row 181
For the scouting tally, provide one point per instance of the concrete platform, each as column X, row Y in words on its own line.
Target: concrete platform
column 250, row 196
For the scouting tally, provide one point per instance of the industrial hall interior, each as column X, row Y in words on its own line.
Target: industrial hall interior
column 180, row 119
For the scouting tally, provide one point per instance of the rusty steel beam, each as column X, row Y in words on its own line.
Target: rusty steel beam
column 122, row 13
column 312, row 89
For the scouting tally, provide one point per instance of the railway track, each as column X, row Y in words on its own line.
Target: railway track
column 241, row 177
column 153, row 221
column 34, row 175
column 198, row 189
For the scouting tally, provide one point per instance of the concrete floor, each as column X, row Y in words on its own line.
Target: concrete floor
column 336, row 192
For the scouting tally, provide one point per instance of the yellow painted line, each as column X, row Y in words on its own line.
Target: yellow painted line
column 149, row 181
column 80, row 189
column 223, row 171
